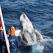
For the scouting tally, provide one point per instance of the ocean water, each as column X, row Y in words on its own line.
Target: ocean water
column 40, row 12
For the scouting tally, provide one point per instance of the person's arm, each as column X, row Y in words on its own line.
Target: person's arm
column 18, row 41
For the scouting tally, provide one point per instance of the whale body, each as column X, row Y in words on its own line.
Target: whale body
column 31, row 34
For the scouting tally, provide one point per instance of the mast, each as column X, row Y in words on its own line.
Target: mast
column 5, row 35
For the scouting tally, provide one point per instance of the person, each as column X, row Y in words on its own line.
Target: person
column 13, row 40
column 1, row 37
column 3, row 48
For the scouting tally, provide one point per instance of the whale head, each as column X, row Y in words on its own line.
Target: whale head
column 26, row 23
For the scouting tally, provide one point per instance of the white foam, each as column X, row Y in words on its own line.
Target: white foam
column 17, row 32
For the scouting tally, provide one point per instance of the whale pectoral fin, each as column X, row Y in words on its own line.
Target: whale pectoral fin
column 24, row 39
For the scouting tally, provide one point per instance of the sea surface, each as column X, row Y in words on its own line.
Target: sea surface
column 40, row 12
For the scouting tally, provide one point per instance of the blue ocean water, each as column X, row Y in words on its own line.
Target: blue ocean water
column 40, row 12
